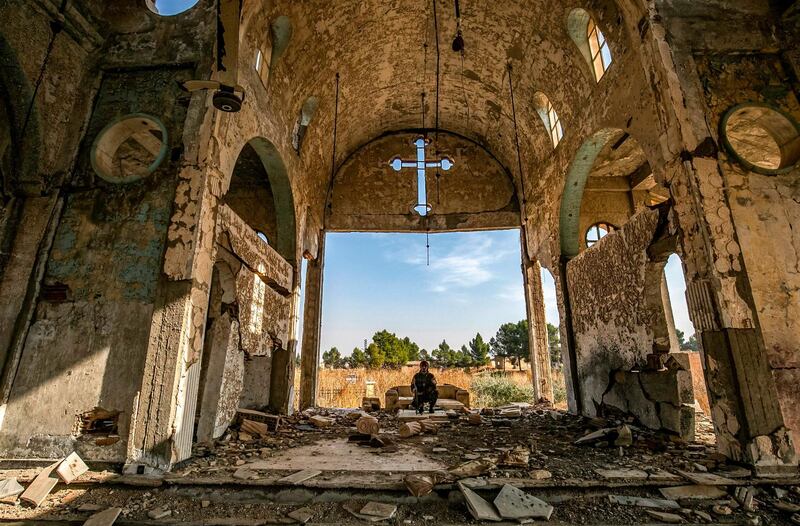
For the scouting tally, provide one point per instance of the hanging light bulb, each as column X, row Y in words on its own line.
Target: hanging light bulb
column 458, row 41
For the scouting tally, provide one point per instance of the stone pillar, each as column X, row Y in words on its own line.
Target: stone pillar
column 312, row 327
column 744, row 401
column 281, row 387
column 537, row 328
column 669, row 317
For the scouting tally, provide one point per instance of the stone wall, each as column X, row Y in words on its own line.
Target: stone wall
column 618, row 318
column 766, row 212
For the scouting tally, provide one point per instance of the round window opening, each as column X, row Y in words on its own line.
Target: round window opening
column 761, row 138
column 129, row 148
column 170, row 7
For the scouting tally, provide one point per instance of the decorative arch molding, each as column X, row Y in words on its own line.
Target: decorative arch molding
column 366, row 194
column 24, row 140
column 286, row 242
column 572, row 197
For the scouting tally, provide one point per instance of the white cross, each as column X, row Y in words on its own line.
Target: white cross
column 421, row 164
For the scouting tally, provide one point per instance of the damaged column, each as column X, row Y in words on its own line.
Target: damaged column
column 537, row 327
column 312, row 325
column 742, row 392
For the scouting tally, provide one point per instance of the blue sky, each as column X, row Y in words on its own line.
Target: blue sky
column 473, row 284
column 173, row 7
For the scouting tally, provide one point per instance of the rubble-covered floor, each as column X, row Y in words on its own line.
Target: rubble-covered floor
column 236, row 481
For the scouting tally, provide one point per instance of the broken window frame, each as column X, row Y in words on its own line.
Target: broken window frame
column 597, row 228
column 598, row 50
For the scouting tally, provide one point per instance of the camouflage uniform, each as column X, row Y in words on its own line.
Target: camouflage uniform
column 424, row 387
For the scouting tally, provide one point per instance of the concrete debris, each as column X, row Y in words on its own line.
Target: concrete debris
column 71, row 468
column 88, row 506
column 379, row 510
column 355, row 509
column 159, row 513
column 721, row 510
column 41, row 486
column 513, row 503
column 273, row 422
column 371, row 404
column 517, row 457
column 10, row 488
column 301, row 515
column 368, row 425
column 707, row 479
column 475, row 419
column 300, row 476
column 644, row 502
column 103, row 518
column 615, row 436
column 254, row 428
column 669, row 518
column 321, row 421
column 694, row 491
column 540, row 474
column 624, row 473
column 420, row 485
column 473, row 468
column 786, row 506
column 745, row 495
column 480, row 508
column 705, row 516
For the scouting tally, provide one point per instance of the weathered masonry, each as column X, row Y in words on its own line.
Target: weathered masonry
column 152, row 237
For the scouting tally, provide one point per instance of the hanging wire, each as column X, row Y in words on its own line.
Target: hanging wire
column 428, row 245
column 516, row 138
column 335, row 128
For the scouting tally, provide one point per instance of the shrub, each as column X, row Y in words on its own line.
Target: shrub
column 493, row 391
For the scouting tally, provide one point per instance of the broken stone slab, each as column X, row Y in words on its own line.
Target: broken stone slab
column 480, row 508
column 103, row 518
column 473, row 468
column 623, row 473
column 321, row 421
column 669, row 518
column 355, row 511
column 692, row 491
column 517, row 457
column 300, row 476
column 42, row 485
column 10, row 488
column 618, row 436
column 301, row 515
column 419, row 485
column 706, row 479
column 513, row 503
column 644, row 502
column 379, row 510
column 71, row 468
column 159, row 513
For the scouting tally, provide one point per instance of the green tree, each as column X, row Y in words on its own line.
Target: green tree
column 425, row 355
column 332, row 358
column 479, row 351
column 464, row 357
column 511, row 342
column 375, row 356
column 397, row 352
column 357, row 358
column 554, row 343
column 444, row 355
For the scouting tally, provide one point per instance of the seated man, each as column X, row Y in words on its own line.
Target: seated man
column 424, row 387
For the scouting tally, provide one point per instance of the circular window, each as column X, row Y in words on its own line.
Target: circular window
column 761, row 138
column 170, row 7
column 129, row 148
column 597, row 232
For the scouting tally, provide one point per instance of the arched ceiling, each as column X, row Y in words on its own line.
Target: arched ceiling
column 385, row 53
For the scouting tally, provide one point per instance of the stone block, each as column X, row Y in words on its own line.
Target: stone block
column 255, row 391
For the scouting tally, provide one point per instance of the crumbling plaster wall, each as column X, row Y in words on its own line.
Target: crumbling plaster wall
column 765, row 211
column 614, row 319
column 89, row 334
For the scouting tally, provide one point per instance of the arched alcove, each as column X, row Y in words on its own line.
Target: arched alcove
column 608, row 181
column 261, row 194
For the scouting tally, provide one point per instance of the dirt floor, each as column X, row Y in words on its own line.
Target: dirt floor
column 236, row 480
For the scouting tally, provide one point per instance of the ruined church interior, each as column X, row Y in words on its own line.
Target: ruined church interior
column 170, row 170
